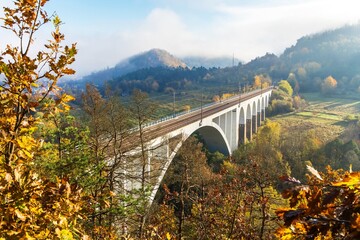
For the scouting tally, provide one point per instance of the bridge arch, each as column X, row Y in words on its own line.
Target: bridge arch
column 215, row 140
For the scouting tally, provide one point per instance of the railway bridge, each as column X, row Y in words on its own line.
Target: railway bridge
column 222, row 125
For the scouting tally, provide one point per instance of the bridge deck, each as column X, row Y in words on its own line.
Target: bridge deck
column 168, row 126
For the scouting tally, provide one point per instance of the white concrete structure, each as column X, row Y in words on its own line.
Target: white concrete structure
column 223, row 126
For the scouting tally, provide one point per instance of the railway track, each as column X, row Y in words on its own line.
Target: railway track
column 186, row 119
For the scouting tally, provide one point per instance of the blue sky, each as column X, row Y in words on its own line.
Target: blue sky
column 108, row 31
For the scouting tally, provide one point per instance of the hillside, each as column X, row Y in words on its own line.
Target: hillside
column 218, row 62
column 150, row 59
column 314, row 57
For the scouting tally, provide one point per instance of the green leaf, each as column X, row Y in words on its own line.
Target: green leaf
column 56, row 21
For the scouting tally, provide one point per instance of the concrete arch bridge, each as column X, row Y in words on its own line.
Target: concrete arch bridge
column 223, row 126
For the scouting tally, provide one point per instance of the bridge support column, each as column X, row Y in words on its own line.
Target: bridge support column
column 234, row 131
column 242, row 133
column 249, row 129
column 262, row 114
column 258, row 119
column 254, row 123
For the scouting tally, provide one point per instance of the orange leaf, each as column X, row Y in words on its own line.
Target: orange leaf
column 68, row 71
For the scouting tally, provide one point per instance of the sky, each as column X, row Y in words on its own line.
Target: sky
column 109, row 31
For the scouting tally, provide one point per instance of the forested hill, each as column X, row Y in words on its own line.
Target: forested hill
column 336, row 46
column 308, row 62
column 335, row 52
column 150, row 59
column 218, row 62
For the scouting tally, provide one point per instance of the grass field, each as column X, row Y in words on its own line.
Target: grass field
column 336, row 106
column 325, row 115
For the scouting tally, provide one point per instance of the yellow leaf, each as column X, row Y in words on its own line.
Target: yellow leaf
column 66, row 107
column 350, row 180
column 27, row 153
column 56, row 21
column 29, row 237
column 12, row 232
column 63, row 222
column 168, row 236
column 43, row 234
column 25, row 142
column 284, row 233
column 65, row 234
column 20, row 215
column 67, row 97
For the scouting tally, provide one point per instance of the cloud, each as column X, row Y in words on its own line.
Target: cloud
column 254, row 29
column 248, row 30
column 161, row 28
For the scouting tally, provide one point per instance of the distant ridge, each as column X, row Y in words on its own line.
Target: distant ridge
column 208, row 62
column 152, row 58
column 149, row 59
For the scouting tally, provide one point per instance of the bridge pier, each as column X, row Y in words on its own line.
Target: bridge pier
column 258, row 119
column 262, row 115
column 254, row 123
column 242, row 134
column 249, row 129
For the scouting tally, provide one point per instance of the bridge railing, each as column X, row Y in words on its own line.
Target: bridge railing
column 173, row 116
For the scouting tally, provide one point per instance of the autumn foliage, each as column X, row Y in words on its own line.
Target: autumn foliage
column 31, row 207
column 327, row 207
column 328, row 85
column 261, row 81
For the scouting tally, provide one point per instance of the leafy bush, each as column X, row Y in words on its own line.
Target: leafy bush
column 280, row 107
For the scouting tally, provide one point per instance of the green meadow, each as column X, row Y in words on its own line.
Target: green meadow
column 327, row 116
